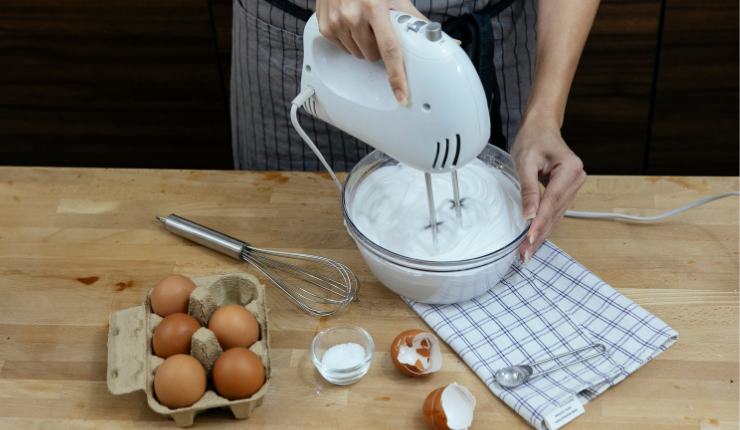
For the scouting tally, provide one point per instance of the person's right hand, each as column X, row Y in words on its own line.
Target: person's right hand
column 363, row 28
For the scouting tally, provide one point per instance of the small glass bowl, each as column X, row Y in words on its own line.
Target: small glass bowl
column 327, row 338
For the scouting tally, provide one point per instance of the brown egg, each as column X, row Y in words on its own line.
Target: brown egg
column 171, row 295
column 180, row 381
column 238, row 373
column 172, row 335
column 234, row 326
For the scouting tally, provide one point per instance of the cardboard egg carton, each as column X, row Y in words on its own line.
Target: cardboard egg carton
column 132, row 363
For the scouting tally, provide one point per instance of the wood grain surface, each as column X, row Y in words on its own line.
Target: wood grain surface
column 77, row 244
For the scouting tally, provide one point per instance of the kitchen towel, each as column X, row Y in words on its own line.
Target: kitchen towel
column 550, row 306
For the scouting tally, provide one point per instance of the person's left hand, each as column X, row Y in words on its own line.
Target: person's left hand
column 541, row 155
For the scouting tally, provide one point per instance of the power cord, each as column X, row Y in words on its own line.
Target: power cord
column 297, row 102
column 616, row 216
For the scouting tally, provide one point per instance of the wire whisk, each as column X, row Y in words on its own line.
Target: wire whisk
column 318, row 285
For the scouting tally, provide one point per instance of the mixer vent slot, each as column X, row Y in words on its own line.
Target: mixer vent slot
column 436, row 157
column 310, row 106
column 447, row 152
column 457, row 151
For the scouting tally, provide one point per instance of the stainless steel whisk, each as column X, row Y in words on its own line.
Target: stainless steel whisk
column 322, row 289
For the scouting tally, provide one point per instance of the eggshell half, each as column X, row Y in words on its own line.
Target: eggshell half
column 451, row 407
column 416, row 353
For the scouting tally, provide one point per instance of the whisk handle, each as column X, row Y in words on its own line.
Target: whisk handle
column 202, row 235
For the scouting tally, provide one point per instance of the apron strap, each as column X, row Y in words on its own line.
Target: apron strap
column 286, row 6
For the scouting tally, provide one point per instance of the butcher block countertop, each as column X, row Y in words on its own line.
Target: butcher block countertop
column 78, row 244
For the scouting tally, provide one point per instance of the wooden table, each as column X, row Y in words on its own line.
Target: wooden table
column 77, row 244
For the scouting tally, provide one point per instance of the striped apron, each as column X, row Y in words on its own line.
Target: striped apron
column 267, row 56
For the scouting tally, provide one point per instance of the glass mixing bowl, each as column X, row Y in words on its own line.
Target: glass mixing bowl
column 436, row 282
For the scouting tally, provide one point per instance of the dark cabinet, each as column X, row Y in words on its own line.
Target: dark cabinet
column 657, row 89
column 111, row 83
column 606, row 121
column 694, row 129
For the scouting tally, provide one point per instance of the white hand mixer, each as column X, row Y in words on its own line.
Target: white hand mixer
column 445, row 123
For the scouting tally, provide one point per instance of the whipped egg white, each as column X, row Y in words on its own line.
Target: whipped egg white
column 390, row 208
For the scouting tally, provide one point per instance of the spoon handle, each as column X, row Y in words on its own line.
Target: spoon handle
column 601, row 349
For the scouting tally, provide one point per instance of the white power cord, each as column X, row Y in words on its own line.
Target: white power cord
column 648, row 219
column 308, row 92
column 297, row 102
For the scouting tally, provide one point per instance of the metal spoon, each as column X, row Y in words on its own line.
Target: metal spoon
column 514, row 376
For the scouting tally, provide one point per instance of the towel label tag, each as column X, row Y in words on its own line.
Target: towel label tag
column 564, row 414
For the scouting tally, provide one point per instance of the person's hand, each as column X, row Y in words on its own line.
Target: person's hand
column 363, row 28
column 541, row 155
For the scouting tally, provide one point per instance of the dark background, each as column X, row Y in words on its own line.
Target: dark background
column 144, row 83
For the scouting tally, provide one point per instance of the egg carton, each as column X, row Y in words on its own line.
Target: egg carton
column 132, row 363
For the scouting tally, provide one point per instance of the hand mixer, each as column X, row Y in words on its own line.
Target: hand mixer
column 445, row 123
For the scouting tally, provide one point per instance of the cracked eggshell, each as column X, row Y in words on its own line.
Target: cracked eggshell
column 416, row 353
column 449, row 408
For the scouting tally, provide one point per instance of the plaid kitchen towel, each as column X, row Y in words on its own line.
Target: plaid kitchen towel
column 551, row 306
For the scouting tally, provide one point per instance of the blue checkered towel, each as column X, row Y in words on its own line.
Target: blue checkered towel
column 551, row 306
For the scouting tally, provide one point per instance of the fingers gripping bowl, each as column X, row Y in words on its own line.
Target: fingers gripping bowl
column 464, row 264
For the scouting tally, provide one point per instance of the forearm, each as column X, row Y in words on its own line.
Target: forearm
column 562, row 29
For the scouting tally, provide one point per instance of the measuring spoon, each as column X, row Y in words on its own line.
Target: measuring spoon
column 514, row 376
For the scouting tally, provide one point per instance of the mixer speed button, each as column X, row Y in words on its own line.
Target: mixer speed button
column 434, row 32
column 403, row 18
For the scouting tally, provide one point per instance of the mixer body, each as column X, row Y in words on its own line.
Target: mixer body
column 445, row 123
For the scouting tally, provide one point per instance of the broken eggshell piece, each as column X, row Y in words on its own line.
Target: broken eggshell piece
column 416, row 353
column 449, row 408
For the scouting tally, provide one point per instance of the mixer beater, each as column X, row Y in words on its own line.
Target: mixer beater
column 456, row 203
